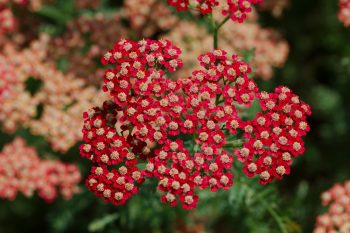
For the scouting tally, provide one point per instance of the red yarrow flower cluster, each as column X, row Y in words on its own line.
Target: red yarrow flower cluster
column 22, row 171
column 337, row 218
column 274, row 137
column 344, row 12
column 179, row 129
column 236, row 9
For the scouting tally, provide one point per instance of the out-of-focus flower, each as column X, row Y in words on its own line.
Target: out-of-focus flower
column 7, row 21
column 193, row 40
column 17, row 105
column 62, row 127
column 270, row 50
column 237, row 10
column 337, row 218
column 17, row 30
column 97, row 31
column 63, row 97
column 84, row 4
column 7, row 18
column 147, row 108
column 100, row 31
column 275, row 6
column 8, row 79
column 18, row 110
column 22, row 171
column 153, row 16
column 344, row 12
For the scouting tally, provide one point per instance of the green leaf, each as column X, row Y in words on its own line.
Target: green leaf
column 52, row 13
column 101, row 223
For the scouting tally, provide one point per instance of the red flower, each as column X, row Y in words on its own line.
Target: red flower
column 237, row 9
column 275, row 135
column 181, row 129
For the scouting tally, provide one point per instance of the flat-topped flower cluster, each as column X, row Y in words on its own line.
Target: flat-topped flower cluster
column 183, row 129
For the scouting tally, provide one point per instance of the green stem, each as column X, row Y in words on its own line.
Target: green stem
column 215, row 29
column 235, row 143
column 215, row 39
column 269, row 209
column 274, row 215
column 223, row 22
column 191, row 7
column 195, row 145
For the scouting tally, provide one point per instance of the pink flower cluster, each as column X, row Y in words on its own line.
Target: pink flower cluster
column 151, row 17
column 7, row 19
column 63, row 97
column 182, row 130
column 17, row 106
column 337, row 219
column 236, row 9
column 101, row 29
column 276, row 7
column 344, row 12
column 8, row 79
column 22, row 171
column 270, row 49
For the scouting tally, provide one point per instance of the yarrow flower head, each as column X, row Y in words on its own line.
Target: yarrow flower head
column 344, row 12
column 237, row 10
column 273, row 138
column 181, row 129
column 337, row 218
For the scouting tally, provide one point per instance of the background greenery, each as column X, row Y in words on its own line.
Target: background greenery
column 318, row 69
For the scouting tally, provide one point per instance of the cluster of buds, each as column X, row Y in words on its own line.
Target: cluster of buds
column 22, row 171
column 344, row 12
column 237, row 10
column 182, row 130
column 337, row 219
